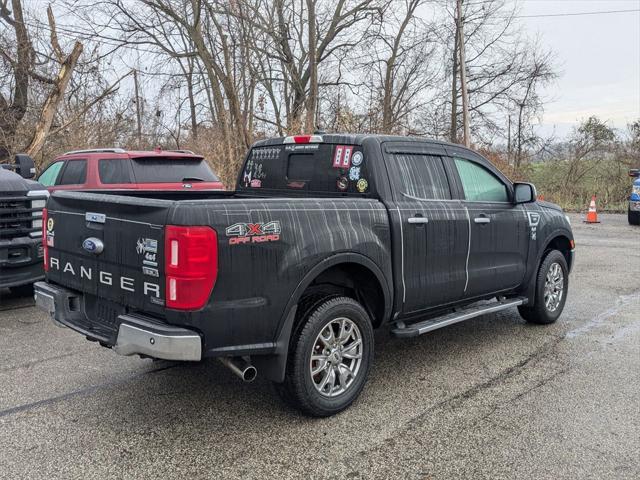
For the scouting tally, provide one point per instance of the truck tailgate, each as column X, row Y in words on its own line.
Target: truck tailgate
column 109, row 247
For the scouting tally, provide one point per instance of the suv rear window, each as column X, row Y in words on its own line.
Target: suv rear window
column 171, row 170
column 320, row 168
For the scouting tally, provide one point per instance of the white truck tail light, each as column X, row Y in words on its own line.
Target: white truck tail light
column 174, row 253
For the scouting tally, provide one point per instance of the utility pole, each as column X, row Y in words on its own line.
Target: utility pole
column 135, row 82
column 463, row 75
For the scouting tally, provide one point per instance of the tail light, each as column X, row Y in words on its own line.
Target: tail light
column 191, row 266
column 45, row 240
column 303, row 139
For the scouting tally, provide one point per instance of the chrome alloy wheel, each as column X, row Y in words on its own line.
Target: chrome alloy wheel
column 553, row 287
column 336, row 357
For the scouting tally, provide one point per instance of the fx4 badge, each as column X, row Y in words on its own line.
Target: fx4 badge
column 534, row 220
column 241, row 233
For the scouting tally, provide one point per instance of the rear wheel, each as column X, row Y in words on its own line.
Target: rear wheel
column 330, row 355
column 552, row 283
column 633, row 217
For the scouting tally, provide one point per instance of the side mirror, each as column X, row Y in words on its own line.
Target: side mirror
column 524, row 193
column 634, row 172
column 25, row 166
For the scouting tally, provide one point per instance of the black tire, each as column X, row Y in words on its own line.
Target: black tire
column 299, row 389
column 538, row 312
column 633, row 217
column 22, row 290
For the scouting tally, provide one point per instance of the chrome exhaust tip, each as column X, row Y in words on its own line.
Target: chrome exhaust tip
column 240, row 367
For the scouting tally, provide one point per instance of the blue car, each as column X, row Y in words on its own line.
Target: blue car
column 634, row 199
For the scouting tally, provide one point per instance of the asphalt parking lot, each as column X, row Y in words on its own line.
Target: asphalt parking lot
column 490, row 398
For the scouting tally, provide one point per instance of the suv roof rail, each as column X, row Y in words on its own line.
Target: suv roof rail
column 98, row 150
column 190, row 152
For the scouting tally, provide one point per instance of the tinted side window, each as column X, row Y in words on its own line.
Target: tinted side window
column 49, row 176
column 75, row 173
column 114, row 171
column 480, row 185
column 422, row 176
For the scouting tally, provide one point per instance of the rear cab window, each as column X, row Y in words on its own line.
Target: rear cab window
column 171, row 170
column 323, row 169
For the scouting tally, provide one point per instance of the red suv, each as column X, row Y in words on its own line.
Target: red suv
column 118, row 169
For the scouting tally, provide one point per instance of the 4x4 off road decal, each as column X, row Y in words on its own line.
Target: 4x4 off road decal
column 253, row 232
column 342, row 156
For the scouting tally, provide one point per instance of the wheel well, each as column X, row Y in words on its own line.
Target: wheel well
column 562, row 244
column 351, row 280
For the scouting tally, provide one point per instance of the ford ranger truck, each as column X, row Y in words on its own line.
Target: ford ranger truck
column 21, row 204
column 325, row 238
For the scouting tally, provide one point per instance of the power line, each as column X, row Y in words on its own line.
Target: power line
column 602, row 12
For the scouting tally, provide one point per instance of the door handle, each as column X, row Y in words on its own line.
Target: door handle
column 482, row 220
column 418, row 220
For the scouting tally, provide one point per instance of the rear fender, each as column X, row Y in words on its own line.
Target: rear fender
column 273, row 366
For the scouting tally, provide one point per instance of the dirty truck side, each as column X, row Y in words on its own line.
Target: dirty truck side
column 324, row 239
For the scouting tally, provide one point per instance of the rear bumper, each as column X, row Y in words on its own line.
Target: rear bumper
column 137, row 334
column 20, row 261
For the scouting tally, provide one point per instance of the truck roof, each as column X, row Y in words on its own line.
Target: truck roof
column 360, row 138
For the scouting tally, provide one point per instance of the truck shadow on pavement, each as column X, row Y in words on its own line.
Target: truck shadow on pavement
column 423, row 370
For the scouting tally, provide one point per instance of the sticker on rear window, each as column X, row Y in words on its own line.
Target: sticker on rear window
column 342, row 156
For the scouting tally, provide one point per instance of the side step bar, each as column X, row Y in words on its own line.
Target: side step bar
column 415, row 329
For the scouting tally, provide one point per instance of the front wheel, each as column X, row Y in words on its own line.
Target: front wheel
column 633, row 217
column 330, row 355
column 552, row 283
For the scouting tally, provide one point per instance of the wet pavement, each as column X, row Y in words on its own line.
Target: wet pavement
column 493, row 397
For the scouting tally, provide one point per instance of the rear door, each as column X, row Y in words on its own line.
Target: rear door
column 433, row 227
column 498, row 244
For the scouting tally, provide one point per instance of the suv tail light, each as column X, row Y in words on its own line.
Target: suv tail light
column 45, row 240
column 191, row 266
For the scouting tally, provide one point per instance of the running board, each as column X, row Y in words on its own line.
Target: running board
column 415, row 329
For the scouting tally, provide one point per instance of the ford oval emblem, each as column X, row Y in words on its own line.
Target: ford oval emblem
column 93, row 245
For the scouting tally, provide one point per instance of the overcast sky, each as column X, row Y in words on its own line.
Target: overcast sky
column 599, row 59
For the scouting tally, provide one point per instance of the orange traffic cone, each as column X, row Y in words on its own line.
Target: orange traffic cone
column 592, row 215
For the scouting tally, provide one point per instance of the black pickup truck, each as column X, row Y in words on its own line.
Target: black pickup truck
column 21, row 204
column 326, row 238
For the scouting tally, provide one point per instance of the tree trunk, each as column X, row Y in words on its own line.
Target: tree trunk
column 51, row 104
column 11, row 114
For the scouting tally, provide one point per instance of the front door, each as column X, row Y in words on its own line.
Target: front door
column 434, row 231
column 498, row 245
